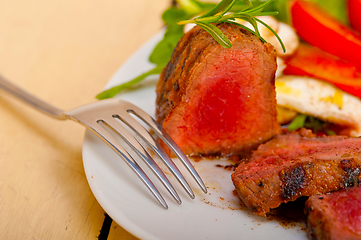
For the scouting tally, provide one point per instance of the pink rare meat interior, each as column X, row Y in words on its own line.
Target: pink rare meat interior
column 347, row 206
column 334, row 216
column 217, row 101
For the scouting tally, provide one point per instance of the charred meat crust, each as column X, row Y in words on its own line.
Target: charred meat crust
column 293, row 180
column 175, row 73
column 296, row 178
column 351, row 170
column 291, row 166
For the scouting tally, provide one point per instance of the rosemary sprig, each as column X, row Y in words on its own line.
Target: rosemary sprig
column 224, row 11
column 220, row 13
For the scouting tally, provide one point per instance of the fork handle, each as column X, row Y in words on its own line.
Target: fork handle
column 31, row 99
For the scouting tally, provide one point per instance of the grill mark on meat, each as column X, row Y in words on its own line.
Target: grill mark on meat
column 188, row 50
column 352, row 171
column 290, row 166
column 176, row 86
column 198, row 51
column 168, row 71
column 293, row 180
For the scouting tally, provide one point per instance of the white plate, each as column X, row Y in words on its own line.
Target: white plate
column 215, row 215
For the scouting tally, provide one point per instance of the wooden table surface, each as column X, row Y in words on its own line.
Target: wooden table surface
column 64, row 52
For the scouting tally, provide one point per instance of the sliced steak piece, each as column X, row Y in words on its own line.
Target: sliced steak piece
column 292, row 165
column 335, row 216
column 218, row 101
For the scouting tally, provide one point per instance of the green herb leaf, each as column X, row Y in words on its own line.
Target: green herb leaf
column 239, row 6
column 218, row 15
column 259, row 8
column 278, row 37
column 312, row 123
column 177, row 15
column 217, row 34
column 248, row 2
column 210, row 19
column 164, row 49
column 248, row 29
column 114, row 90
column 282, row 7
column 329, row 132
column 190, row 6
column 222, row 7
column 253, row 22
column 297, row 122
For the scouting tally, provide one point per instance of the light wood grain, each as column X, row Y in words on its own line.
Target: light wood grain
column 64, row 52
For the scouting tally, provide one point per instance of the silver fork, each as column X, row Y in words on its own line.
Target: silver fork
column 136, row 139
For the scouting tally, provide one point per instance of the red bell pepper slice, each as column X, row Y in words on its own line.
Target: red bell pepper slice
column 313, row 62
column 354, row 14
column 319, row 29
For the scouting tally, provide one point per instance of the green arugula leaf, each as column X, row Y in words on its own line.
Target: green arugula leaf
column 282, row 7
column 315, row 124
column 164, row 49
column 298, row 122
column 192, row 7
column 114, row 90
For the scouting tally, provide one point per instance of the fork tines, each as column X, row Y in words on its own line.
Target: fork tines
column 121, row 116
